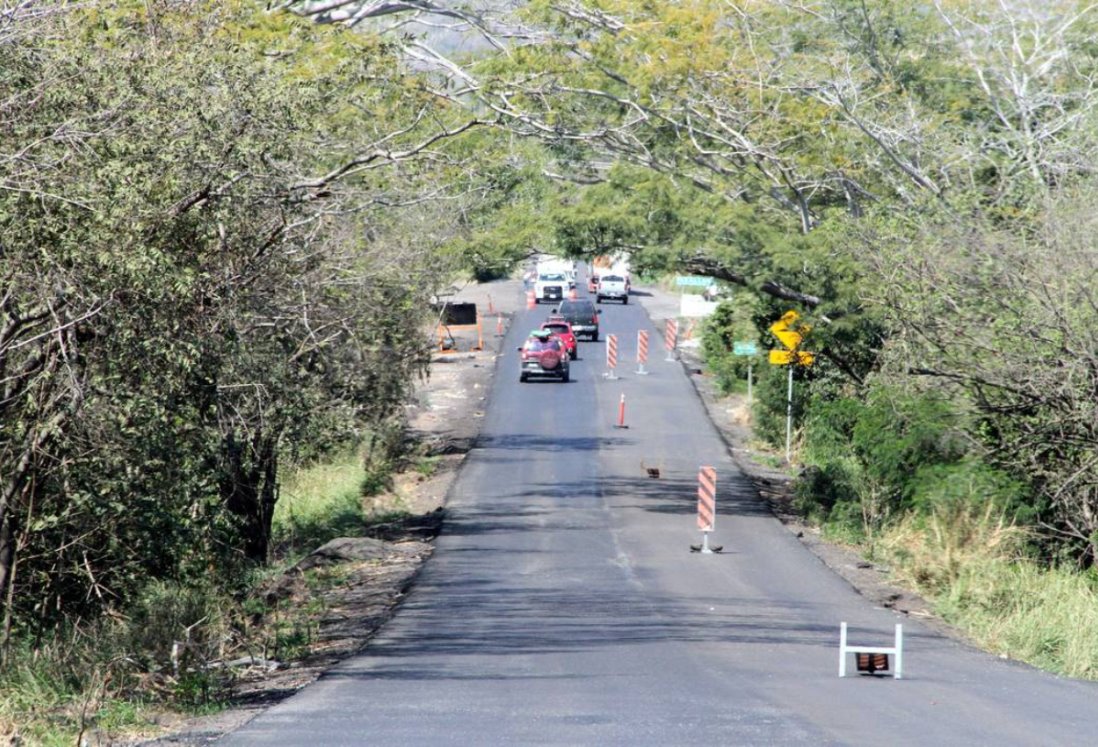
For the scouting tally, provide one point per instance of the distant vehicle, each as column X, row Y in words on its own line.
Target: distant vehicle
column 550, row 286
column 543, row 354
column 582, row 315
column 560, row 327
column 613, row 286
column 552, row 266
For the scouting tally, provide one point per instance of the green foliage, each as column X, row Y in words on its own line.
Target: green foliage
column 771, row 402
column 319, row 503
column 950, row 486
column 889, row 452
column 191, row 309
column 731, row 322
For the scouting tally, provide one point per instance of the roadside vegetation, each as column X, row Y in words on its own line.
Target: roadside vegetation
column 221, row 227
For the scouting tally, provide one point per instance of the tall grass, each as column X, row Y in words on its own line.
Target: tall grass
column 320, row 503
column 972, row 565
column 112, row 678
column 103, row 681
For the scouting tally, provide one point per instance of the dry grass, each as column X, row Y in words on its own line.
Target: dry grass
column 971, row 564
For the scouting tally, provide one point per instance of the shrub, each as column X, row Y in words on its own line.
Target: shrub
column 729, row 323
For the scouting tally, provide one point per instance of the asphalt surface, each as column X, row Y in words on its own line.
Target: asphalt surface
column 563, row 604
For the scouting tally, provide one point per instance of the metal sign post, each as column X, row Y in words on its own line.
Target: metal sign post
column 791, row 335
column 789, row 418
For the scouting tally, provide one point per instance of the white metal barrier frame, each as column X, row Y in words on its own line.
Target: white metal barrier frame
column 897, row 650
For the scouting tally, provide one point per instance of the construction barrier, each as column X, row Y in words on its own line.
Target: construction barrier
column 611, row 356
column 707, row 505
column 872, row 659
column 689, row 334
column 621, row 413
column 707, row 498
column 531, row 299
column 670, row 337
column 642, row 351
column 499, row 325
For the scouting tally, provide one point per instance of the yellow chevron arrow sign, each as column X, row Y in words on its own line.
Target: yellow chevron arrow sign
column 785, row 357
column 791, row 335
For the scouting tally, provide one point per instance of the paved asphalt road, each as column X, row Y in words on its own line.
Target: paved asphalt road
column 563, row 605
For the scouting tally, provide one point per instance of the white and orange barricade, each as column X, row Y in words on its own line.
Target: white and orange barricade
column 707, row 504
column 642, row 351
column 670, row 338
column 531, row 299
column 611, row 356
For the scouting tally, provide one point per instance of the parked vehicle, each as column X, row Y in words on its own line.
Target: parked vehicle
column 560, row 327
column 543, row 354
column 582, row 315
column 613, row 287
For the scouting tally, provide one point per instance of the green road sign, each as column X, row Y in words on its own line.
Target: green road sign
column 744, row 348
column 694, row 280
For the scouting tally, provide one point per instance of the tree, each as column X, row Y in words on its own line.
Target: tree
column 1006, row 323
column 201, row 274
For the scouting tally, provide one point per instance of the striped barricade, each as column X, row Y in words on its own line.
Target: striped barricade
column 707, row 504
column 670, row 338
column 642, row 351
column 611, row 356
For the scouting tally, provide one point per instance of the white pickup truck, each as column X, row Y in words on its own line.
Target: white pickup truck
column 550, row 286
column 613, row 286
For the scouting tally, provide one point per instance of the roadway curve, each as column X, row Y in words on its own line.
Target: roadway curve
column 563, row 605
